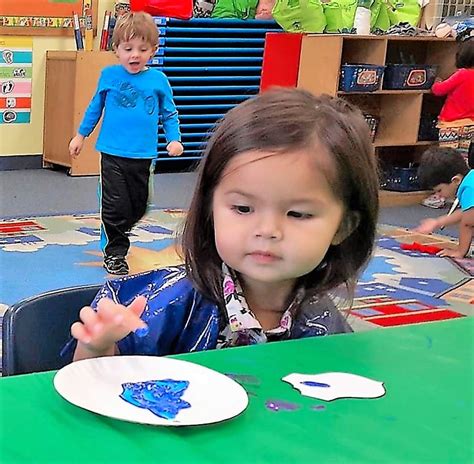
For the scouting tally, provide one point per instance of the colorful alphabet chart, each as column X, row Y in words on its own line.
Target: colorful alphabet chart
column 16, row 59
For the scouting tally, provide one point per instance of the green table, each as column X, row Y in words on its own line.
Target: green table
column 426, row 415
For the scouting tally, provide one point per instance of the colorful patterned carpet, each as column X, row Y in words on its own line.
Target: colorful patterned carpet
column 405, row 287
column 399, row 287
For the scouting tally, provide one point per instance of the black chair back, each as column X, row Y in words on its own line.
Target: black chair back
column 35, row 329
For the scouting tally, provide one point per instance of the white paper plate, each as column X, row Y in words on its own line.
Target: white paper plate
column 96, row 385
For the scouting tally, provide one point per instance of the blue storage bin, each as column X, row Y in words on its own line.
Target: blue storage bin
column 360, row 77
column 401, row 179
column 409, row 76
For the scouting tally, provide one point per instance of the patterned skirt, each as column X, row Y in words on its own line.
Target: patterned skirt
column 456, row 134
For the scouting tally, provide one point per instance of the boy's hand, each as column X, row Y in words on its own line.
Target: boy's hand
column 75, row 145
column 175, row 148
column 427, row 226
column 100, row 330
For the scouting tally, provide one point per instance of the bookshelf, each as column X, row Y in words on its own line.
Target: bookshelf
column 316, row 68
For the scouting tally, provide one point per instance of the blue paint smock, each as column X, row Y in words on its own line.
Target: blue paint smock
column 181, row 320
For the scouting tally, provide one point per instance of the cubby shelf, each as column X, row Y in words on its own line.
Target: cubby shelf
column 71, row 79
column 317, row 69
column 388, row 198
column 385, row 92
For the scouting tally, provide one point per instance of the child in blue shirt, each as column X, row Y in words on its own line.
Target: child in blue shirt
column 445, row 171
column 131, row 97
column 284, row 212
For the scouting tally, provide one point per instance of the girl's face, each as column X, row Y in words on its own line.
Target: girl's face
column 134, row 54
column 275, row 216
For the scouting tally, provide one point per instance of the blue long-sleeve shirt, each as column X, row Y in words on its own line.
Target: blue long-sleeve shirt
column 131, row 105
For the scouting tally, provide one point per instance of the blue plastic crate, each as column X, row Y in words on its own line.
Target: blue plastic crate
column 409, row 76
column 360, row 77
column 401, row 179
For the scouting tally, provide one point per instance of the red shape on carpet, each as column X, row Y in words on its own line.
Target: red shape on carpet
column 415, row 246
column 414, row 318
column 19, row 227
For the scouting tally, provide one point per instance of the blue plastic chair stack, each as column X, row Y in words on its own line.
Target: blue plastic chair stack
column 212, row 65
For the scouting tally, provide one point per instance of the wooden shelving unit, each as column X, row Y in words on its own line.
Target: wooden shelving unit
column 388, row 198
column 384, row 92
column 318, row 68
column 71, row 80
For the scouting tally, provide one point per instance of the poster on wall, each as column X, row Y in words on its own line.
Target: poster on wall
column 16, row 59
column 44, row 17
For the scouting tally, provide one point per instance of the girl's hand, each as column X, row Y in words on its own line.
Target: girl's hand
column 427, row 226
column 175, row 148
column 75, row 145
column 100, row 330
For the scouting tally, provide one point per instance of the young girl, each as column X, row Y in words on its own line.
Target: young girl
column 284, row 211
column 456, row 119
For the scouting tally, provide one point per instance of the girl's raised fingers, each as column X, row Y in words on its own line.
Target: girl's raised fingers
column 127, row 318
column 89, row 317
column 110, row 311
column 80, row 333
column 137, row 306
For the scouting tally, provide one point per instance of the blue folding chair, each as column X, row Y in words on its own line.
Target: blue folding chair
column 35, row 329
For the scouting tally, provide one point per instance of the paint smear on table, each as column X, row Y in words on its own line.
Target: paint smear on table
column 161, row 397
column 333, row 385
column 318, row 407
column 277, row 405
column 312, row 383
column 244, row 379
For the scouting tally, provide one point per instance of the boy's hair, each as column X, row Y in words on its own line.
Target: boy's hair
column 439, row 165
column 281, row 121
column 135, row 24
column 465, row 54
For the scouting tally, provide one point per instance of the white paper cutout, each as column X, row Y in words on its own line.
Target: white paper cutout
column 332, row 385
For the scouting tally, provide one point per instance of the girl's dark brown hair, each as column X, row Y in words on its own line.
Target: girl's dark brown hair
column 283, row 121
column 465, row 54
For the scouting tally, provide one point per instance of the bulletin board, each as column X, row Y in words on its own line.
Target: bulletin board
column 43, row 17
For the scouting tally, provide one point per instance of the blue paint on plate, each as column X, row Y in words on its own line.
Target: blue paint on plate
column 161, row 397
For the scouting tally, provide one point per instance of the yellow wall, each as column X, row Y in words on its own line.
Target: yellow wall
column 27, row 139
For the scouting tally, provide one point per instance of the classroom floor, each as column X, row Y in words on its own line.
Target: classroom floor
column 38, row 192
column 43, row 192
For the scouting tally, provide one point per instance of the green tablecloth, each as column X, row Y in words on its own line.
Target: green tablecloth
column 426, row 415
